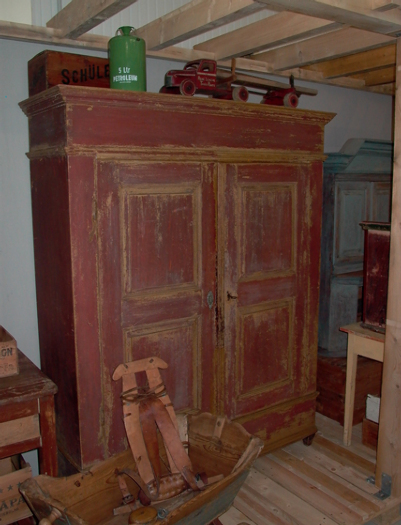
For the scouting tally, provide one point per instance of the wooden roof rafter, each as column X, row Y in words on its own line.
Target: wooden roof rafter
column 314, row 40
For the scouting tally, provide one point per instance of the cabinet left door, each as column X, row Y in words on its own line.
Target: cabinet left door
column 157, row 278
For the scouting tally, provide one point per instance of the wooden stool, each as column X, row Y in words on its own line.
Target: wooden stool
column 364, row 342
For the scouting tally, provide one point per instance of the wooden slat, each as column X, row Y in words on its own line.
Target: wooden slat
column 385, row 5
column 309, row 492
column 261, row 510
column 276, row 30
column 389, row 443
column 301, row 485
column 19, row 430
column 357, row 62
column 257, row 66
column 344, row 472
column 233, row 516
column 21, row 447
column 192, row 19
column 333, row 45
column 344, row 12
column 79, row 16
column 270, row 494
column 45, row 35
column 328, row 482
column 344, row 455
column 384, row 89
column 333, row 431
column 378, row 77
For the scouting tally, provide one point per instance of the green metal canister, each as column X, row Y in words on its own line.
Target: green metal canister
column 127, row 57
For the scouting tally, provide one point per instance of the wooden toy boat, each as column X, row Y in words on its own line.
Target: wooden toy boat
column 216, row 446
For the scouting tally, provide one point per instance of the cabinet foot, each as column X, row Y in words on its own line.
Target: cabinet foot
column 309, row 439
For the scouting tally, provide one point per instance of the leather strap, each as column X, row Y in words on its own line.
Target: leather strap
column 149, row 431
column 173, row 443
column 127, row 496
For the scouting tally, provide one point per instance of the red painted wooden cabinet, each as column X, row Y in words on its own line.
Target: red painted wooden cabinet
column 183, row 228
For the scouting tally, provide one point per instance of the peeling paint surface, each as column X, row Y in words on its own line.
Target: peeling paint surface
column 165, row 202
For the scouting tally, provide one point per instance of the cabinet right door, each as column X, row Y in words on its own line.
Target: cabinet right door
column 269, row 218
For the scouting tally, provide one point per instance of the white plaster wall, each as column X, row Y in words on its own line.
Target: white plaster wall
column 16, row 11
column 358, row 115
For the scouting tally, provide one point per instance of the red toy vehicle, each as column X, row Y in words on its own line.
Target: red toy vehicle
column 204, row 78
column 288, row 97
column 200, row 76
column 272, row 92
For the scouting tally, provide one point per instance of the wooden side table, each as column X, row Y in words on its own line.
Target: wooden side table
column 364, row 342
column 27, row 417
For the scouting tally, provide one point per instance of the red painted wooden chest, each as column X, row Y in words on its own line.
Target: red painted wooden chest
column 183, row 228
column 375, row 274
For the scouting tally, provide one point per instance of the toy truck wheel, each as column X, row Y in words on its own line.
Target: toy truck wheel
column 290, row 100
column 187, row 87
column 240, row 94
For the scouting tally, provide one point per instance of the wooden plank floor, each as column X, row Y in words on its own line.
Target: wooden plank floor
column 323, row 484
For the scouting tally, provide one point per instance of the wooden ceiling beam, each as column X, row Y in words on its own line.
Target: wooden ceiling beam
column 79, row 16
column 384, row 89
column 385, row 5
column 357, row 62
column 193, row 19
column 47, row 35
column 347, row 12
column 256, row 66
column 276, row 30
column 377, row 77
column 333, row 45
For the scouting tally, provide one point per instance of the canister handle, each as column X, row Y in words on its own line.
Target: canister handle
column 125, row 30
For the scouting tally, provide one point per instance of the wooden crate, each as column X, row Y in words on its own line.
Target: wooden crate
column 50, row 68
column 13, row 471
column 331, row 374
column 370, row 432
column 8, row 354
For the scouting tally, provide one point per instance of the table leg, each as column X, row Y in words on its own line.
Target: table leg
column 352, row 361
column 48, row 450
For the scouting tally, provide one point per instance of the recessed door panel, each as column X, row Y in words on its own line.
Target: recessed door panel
column 161, row 228
column 267, row 249
column 183, row 373
column 265, row 342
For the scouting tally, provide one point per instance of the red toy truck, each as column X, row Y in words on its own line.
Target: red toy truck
column 205, row 78
column 200, row 76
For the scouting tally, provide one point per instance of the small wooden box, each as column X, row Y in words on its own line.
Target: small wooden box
column 8, row 354
column 50, row 68
column 13, row 471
